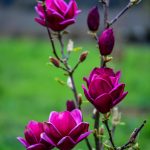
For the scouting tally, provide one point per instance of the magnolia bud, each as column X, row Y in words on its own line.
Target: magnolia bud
column 70, row 105
column 83, row 56
column 54, row 61
column 106, row 42
column 93, row 19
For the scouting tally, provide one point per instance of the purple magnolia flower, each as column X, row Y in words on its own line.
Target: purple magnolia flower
column 58, row 15
column 106, row 42
column 65, row 129
column 104, row 90
column 32, row 139
column 93, row 19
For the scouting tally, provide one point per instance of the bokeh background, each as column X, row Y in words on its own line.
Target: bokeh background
column 28, row 86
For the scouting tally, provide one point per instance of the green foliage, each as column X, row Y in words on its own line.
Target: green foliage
column 28, row 90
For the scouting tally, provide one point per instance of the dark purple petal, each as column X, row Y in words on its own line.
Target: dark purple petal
column 67, row 22
column 23, row 141
column 77, row 115
column 120, row 98
column 52, row 132
column 30, row 136
column 86, row 80
column 61, row 5
column 71, row 10
column 40, row 21
column 98, row 87
column 47, row 141
column 53, row 14
column 66, row 143
column 87, row 94
column 37, row 147
column 78, row 130
column 83, row 136
column 103, row 103
column 40, row 11
column 117, row 91
column 63, row 121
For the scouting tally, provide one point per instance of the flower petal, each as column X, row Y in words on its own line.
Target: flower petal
column 71, row 10
column 47, row 141
column 63, row 121
column 37, row 147
column 99, row 86
column 52, row 132
column 117, row 91
column 66, row 143
column 83, row 136
column 77, row 115
column 40, row 21
column 78, row 130
column 87, row 94
column 120, row 98
column 61, row 5
column 23, row 141
column 67, row 22
column 103, row 103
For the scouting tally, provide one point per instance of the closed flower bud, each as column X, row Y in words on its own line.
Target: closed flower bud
column 83, row 56
column 54, row 61
column 93, row 19
column 106, row 42
column 70, row 105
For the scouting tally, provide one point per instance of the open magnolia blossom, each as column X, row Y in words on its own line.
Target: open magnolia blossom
column 57, row 14
column 65, row 129
column 62, row 130
column 32, row 135
column 104, row 90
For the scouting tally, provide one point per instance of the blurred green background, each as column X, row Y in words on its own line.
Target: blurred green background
column 28, row 86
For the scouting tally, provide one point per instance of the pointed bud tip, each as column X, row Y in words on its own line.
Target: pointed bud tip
column 83, row 56
column 54, row 61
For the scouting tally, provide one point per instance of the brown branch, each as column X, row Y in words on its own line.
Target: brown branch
column 133, row 136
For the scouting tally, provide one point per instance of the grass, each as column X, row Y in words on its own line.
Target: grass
column 28, row 90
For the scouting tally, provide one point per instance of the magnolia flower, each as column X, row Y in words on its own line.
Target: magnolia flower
column 106, row 42
column 32, row 139
column 65, row 129
column 103, row 89
column 57, row 14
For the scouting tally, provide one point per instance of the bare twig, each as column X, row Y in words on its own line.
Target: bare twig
column 128, row 6
column 110, row 134
column 133, row 137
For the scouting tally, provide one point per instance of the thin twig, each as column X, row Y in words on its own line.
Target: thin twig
column 129, row 5
column 62, row 45
column 133, row 136
column 110, row 134
column 76, row 66
column 50, row 35
column 96, row 126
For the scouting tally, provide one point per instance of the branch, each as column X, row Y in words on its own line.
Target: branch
column 133, row 136
column 128, row 6
column 96, row 127
column 110, row 134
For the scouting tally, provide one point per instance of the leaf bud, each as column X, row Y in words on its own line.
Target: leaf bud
column 54, row 61
column 83, row 56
